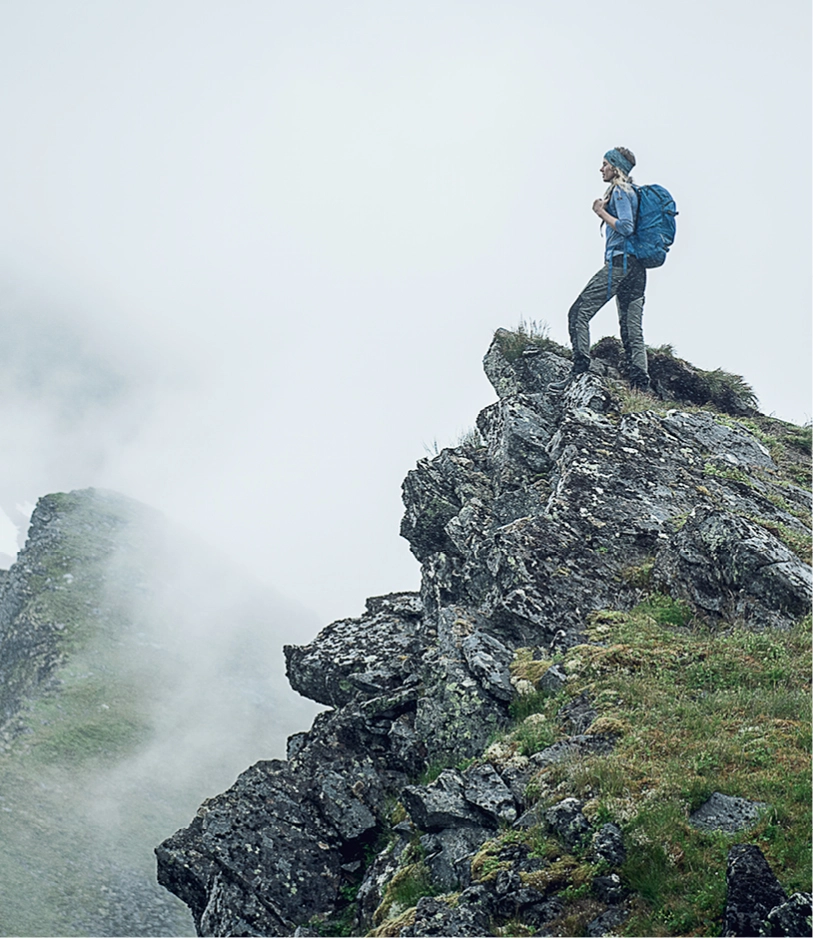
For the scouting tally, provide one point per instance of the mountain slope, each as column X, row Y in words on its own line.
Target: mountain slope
column 133, row 666
column 602, row 686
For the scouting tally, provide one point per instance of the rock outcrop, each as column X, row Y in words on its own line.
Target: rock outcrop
column 573, row 503
column 756, row 903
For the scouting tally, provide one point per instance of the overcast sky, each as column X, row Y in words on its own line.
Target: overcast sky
column 253, row 251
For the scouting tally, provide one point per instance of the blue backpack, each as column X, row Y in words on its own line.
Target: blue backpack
column 654, row 225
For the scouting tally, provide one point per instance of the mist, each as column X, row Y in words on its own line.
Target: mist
column 173, row 684
column 252, row 254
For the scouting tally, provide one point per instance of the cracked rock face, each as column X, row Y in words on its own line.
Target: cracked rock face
column 369, row 655
column 753, row 891
column 235, row 865
column 730, row 566
column 519, row 539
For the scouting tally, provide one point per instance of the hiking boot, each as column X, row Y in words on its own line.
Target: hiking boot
column 558, row 386
column 640, row 384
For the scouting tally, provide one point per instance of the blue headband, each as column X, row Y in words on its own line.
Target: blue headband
column 614, row 158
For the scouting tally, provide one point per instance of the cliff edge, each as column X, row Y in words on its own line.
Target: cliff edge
column 601, row 689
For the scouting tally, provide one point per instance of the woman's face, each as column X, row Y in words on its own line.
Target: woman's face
column 608, row 171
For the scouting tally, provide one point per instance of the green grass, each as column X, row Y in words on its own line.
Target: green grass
column 723, row 384
column 666, row 611
column 89, row 721
column 413, row 882
column 433, row 770
column 695, row 711
column 801, row 438
column 410, row 883
column 527, row 704
column 702, row 712
column 528, row 334
column 532, row 736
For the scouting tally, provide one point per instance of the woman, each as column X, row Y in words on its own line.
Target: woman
column 622, row 275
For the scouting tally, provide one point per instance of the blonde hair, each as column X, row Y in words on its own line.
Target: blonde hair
column 621, row 180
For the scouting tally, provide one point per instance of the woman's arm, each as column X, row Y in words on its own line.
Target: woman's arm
column 624, row 224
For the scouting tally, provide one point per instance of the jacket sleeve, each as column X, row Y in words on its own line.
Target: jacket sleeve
column 624, row 210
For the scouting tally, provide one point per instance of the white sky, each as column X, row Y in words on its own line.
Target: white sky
column 252, row 252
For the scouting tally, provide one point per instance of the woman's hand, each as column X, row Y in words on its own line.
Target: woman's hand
column 600, row 208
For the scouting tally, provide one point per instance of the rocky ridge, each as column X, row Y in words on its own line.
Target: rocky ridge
column 417, row 804
column 109, row 620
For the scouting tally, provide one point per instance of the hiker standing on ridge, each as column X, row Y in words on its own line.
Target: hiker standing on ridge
column 622, row 276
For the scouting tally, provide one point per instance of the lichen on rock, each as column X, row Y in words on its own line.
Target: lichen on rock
column 573, row 507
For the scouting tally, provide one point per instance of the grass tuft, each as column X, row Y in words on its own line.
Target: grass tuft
column 528, row 333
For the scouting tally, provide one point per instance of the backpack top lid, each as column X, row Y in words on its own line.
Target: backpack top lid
column 655, row 225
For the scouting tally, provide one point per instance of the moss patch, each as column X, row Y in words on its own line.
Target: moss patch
column 703, row 711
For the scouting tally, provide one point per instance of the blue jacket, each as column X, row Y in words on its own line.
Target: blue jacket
column 623, row 206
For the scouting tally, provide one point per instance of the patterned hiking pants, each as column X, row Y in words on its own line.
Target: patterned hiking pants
column 628, row 290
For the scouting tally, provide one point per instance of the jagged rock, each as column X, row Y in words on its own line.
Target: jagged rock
column 507, row 893
column 255, row 857
column 407, row 749
column 568, row 822
column 790, row 918
column 434, row 492
column 734, row 445
column 517, row 431
column 579, row 714
column 520, row 374
column 608, row 888
column 512, row 901
column 342, row 808
column 726, row 813
column 436, row 917
column 516, row 773
column 529, row 818
column 488, row 660
column 440, row 804
column 572, row 748
column 369, row 655
column 607, row 922
column 296, row 743
column 288, row 836
column 483, row 788
column 477, row 798
column 448, row 855
column 553, row 680
column 608, row 845
column 732, row 567
column 519, row 540
column 455, row 717
column 753, row 891
column 588, row 397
